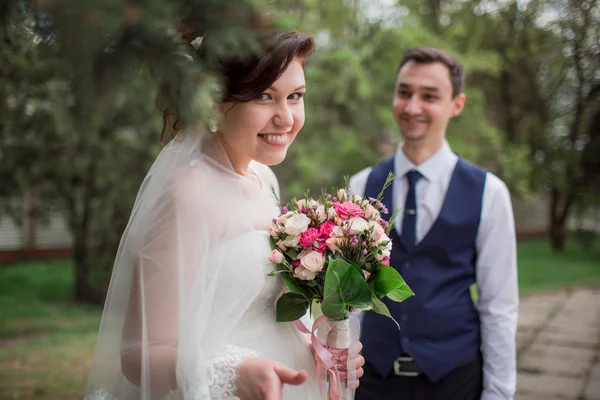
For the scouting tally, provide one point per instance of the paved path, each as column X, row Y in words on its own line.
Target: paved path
column 559, row 346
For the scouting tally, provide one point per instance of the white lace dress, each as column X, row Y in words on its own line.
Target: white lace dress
column 256, row 335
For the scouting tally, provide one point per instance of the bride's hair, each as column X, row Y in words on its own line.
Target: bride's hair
column 246, row 77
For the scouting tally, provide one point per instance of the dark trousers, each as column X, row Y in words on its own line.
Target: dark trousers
column 463, row 383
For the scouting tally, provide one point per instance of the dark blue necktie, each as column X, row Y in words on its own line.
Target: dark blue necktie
column 409, row 221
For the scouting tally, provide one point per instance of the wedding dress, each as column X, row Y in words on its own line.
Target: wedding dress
column 190, row 285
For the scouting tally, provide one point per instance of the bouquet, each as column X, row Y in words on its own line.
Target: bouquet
column 333, row 254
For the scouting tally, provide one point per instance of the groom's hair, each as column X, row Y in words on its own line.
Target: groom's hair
column 428, row 55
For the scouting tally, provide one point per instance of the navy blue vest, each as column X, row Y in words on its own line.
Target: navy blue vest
column 439, row 324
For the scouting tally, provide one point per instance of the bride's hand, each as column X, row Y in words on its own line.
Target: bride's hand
column 353, row 358
column 261, row 379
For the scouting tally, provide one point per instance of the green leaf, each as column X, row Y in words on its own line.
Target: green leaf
column 344, row 287
column 290, row 282
column 379, row 307
column 290, row 307
column 388, row 282
column 275, row 273
column 401, row 293
column 272, row 242
column 291, row 253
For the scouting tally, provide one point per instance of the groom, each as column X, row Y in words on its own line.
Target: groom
column 455, row 228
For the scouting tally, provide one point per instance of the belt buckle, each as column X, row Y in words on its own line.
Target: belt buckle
column 398, row 365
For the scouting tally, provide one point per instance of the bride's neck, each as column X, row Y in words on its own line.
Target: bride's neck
column 231, row 159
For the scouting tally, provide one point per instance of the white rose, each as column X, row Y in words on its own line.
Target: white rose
column 384, row 238
column 331, row 212
column 313, row 261
column 281, row 220
column 297, row 224
column 291, row 241
column 358, row 225
column 337, row 231
column 304, row 274
column 321, row 214
column 311, row 203
column 384, row 253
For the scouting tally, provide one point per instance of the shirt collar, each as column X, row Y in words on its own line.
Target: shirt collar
column 431, row 169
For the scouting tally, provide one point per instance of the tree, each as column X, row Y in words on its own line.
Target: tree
column 574, row 134
column 349, row 123
column 80, row 79
column 543, row 96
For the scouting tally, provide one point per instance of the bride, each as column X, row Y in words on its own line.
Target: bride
column 190, row 311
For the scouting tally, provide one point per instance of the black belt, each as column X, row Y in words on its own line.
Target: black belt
column 405, row 365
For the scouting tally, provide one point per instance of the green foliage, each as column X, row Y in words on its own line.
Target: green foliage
column 345, row 288
column 291, row 306
column 82, row 126
column 386, row 281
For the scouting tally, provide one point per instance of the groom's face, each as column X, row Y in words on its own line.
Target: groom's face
column 423, row 102
column 264, row 128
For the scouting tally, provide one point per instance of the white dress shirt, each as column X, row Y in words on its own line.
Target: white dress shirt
column 496, row 265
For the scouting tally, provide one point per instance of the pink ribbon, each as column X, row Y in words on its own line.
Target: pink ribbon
column 324, row 356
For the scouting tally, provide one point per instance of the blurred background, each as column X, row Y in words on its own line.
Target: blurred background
column 79, row 128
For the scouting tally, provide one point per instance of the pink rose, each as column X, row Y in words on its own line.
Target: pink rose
column 304, row 274
column 385, row 261
column 326, row 228
column 276, row 257
column 273, row 231
column 313, row 261
column 348, row 210
column 295, row 263
column 341, row 194
column 332, row 243
column 300, row 204
column 372, row 213
column 281, row 245
column 308, row 238
column 378, row 230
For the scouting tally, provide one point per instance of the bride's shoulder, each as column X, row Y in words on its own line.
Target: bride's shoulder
column 191, row 185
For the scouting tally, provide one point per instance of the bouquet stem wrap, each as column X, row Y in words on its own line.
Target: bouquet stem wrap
column 333, row 344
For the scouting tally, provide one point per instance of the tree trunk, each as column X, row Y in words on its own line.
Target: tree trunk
column 84, row 293
column 559, row 211
column 558, row 235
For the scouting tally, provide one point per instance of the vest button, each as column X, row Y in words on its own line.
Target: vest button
column 405, row 341
column 407, row 264
column 404, row 317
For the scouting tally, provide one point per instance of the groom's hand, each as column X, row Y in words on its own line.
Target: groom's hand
column 351, row 359
column 261, row 379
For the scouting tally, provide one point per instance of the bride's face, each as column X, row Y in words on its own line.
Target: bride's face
column 264, row 128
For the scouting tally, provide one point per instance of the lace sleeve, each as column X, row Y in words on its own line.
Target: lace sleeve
column 224, row 370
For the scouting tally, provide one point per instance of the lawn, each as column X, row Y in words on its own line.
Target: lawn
column 46, row 343
column 541, row 269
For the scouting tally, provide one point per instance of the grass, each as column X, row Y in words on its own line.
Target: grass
column 46, row 342
column 541, row 269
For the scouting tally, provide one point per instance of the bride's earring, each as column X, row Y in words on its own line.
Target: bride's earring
column 213, row 125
